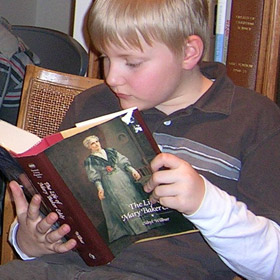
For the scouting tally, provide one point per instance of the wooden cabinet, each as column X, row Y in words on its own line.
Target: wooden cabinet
column 269, row 60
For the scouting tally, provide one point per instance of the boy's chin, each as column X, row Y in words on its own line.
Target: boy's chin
column 125, row 105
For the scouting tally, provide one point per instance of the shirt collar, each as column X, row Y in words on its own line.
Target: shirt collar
column 218, row 98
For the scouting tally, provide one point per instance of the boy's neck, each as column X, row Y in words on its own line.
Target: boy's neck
column 192, row 87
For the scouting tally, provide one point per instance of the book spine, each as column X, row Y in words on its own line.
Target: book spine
column 220, row 30
column 212, row 12
column 227, row 27
column 244, row 42
column 58, row 198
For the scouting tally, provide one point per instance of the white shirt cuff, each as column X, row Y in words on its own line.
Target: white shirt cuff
column 13, row 241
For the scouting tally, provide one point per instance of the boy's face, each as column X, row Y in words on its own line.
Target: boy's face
column 145, row 79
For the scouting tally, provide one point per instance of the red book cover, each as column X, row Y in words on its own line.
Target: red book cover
column 93, row 179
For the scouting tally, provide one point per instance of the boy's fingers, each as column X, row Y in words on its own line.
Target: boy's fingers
column 22, row 206
column 19, row 198
column 149, row 186
column 157, row 163
column 46, row 224
column 165, row 160
column 34, row 207
column 154, row 198
column 161, row 177
column 56, row 235
column 65, row 247
column 55, row 239
column 162, row 191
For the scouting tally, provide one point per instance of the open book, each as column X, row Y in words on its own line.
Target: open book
column 92, row 176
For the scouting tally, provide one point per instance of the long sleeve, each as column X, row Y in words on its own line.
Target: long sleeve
column 13, row 241
column 247, row 243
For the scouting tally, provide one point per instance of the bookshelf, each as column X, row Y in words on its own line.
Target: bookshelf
column 253, row 51
column 269, row 59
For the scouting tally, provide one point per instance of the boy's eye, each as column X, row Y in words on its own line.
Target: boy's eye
column 133, row 65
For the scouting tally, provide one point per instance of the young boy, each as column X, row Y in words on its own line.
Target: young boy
column 152, row 52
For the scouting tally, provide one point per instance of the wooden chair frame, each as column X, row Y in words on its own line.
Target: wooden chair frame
column 41, row 116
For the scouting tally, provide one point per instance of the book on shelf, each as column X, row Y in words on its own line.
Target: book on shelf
column 92, row 176
column 244, row 41
column 220, row 30
column 226, row 32
column 212, row 11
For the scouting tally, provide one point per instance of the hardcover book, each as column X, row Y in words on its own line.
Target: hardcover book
column 220, row 30
column 227, row 28
column 244, row 42
column 92, row 176
column 212, row 11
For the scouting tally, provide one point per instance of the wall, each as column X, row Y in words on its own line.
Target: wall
column 55, row 14
column 19, row 12
column 80, row 22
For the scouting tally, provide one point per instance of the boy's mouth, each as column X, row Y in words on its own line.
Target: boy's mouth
column 122, row 95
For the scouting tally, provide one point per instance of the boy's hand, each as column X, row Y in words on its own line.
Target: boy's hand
column 175, row 184
column 35, row 236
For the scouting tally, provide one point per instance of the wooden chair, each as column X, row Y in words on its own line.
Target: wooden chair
column 46, row 96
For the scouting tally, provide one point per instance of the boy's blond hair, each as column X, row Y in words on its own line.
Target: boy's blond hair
column 123, row 22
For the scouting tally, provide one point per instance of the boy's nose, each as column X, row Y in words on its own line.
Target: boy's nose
column 114, row 76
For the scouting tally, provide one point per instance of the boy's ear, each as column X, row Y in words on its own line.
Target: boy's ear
column 193, row 51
